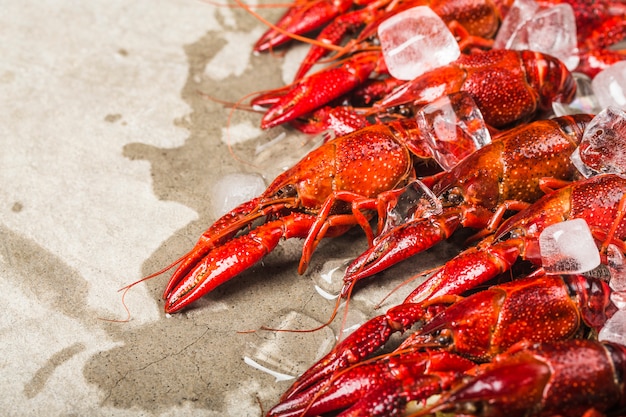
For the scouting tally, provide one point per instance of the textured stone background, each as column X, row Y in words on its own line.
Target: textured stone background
column 109, row 155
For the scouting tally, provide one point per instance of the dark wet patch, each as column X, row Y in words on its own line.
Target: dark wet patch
column 39, row 380
column 45, row 276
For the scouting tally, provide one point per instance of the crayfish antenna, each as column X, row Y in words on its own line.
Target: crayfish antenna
column 332, row 317
column 314, row 329
column 282, row 31
column 402, row 284
column 128, row 287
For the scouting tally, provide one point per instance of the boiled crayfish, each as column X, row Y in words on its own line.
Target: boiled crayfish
column 505, row 175
column 600, row 201
column 340, row 184
column 567, row 378
column 528, row 82
column 538, row 308
column 318, row 101
column 449, row 329
column 599, row 25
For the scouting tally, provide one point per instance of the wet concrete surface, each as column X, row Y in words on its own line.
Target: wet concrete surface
column 111, row 148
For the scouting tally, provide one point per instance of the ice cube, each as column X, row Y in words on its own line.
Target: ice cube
column 453, row 127
column 609, row 85
column 416, row 41
column 329, row 280
column 585, row 170
column 568, row 248
column 550, row 29
column 266, row 350
column 619, row 299
column 617, row 267
column 510, row 33
column 603, row 146
column 614, row 329
column 233, row 189
column 584, row 102
column 415, row 201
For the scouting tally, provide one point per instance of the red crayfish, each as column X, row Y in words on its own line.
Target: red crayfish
column 451, row 330
column 538, row 308
column 599, row 25
column 528, row 82
column 317, row 102
column 600, row 201
column 566, row 378
column 342, row 182
column 477, row 192
column 473, row 21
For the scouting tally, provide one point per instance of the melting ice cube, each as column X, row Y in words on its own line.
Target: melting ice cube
column 584, row 102
column 568, row 248
column 603, row 146
column 615, row 329
column 609, row 85
column 619, row 299
column 453, row 127
column 234, row 189
column 267, row 350
column 416, row 41
column 551, row 30
column 329, row 280
column 617, row 268
column 415, row 201
column 510, row 35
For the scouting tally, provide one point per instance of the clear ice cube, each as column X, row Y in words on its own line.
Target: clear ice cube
column 415, row 201
column 609, row 85
column 580, row 165
column 329, row 280
column 584, row 102
column 550, row 29
column 617, row 268
column 614, row 330
column 233, row 189
column 416, row 41
column 568, row 248
column 453, row 127
column 603, row 146
column 619, row 299
column 510, row 35
column 273, row 351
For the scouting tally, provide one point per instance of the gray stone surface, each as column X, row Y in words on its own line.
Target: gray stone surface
column 109, row 152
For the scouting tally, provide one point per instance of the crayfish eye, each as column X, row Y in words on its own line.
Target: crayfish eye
column 289, row 190
column 453, row 196
column 444, row 339
column 405, row 111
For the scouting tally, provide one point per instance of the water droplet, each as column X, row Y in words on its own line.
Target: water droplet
column 329, row 280
column 283, row 353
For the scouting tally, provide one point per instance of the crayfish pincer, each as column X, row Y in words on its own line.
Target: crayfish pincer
column 334, row 186
column 342, row 183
